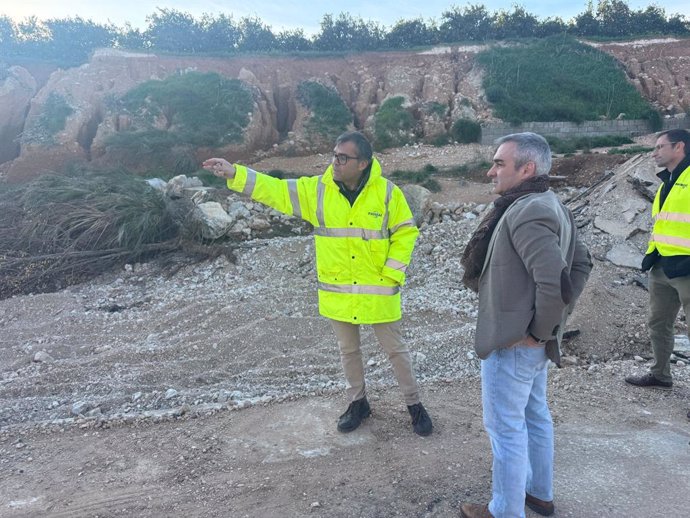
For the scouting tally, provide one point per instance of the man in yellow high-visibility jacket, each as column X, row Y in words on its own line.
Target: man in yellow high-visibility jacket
column 364, row 235
column 668, row 254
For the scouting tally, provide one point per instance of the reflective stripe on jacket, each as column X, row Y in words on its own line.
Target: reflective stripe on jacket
column 671, row 230
column 362, row 251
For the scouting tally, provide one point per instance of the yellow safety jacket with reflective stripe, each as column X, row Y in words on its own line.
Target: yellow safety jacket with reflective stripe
column 671, row 230
column 362, row 251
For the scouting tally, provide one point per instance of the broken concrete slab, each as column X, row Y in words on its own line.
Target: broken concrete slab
column 623, row 254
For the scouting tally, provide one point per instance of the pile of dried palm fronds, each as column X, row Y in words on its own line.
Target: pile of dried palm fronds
column 63, row 228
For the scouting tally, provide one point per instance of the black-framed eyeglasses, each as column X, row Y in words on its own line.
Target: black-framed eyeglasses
column 342, row 158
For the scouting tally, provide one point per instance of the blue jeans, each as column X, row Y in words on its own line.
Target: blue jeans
column 518, row 421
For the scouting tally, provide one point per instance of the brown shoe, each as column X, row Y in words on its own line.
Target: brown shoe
column 468, row 510
column 541, row 507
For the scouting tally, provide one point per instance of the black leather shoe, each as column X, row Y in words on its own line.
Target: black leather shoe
column 421, row 422
column 353, row 416
column 648, row 380
column 541, row 507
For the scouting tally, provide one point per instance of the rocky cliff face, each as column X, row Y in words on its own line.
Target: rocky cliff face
column 444, row 77
column 16, row 92
column 660, row 69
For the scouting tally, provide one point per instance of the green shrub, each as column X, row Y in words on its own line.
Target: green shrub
column 198, row 109
column 495, row 94
column 329, row 115
column 435, row 108
column 50, row 121
column 55, row 113
column 466, row 131
column 393, row 124
column 557, row 79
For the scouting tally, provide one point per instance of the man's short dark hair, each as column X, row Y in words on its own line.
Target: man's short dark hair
column 364, row 151
column 678, row 135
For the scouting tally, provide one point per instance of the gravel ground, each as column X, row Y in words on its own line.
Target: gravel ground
column 214, row 391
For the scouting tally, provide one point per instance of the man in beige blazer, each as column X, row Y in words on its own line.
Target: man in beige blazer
column 529, row 266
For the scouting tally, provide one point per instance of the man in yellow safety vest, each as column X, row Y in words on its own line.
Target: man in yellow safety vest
column 364, row 235
column 668, row 254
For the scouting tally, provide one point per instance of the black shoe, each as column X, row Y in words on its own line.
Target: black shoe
column 539, row 506
column 354, row 414
column 421, row 422
column 648, row 380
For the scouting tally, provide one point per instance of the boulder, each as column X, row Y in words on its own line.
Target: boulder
column 419, row 199
column 214, row 221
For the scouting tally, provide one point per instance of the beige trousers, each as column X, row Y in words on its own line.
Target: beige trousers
column 389, row 335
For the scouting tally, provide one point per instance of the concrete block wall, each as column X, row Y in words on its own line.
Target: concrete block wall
column 568, row 130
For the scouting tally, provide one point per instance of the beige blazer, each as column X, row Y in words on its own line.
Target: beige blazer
column 535, row 269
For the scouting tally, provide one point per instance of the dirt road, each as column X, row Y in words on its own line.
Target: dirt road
column 621, row 452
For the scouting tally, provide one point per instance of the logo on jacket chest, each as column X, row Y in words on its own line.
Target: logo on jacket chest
column 375, row 214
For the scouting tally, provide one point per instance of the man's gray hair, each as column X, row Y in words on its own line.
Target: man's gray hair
column 530, row 147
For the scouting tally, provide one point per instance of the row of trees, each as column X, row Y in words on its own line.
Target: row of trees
column 170, row 30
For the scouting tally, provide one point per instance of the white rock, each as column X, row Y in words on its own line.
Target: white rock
column 80, row 408
column 157, row 184
column 215, row 221
column 43, row 357
column 170, row 393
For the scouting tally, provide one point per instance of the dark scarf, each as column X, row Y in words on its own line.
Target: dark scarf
column 475, row 253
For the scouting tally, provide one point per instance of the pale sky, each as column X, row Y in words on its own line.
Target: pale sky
column 295, row 14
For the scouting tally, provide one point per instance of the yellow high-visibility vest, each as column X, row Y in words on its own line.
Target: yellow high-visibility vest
column 671, row 230
column 362, row 251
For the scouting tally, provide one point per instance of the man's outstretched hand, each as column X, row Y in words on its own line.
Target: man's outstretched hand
column 219, row 167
